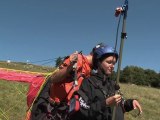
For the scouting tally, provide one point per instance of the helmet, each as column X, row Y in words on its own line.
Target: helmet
column 97, row 46
column 100, row 53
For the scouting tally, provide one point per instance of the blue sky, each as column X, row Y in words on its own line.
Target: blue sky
column 38, row 30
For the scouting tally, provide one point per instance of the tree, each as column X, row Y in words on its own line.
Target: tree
column 133, row 74
column 58, row 61
column 126, row 75
column 139, row 76
column 153, row 78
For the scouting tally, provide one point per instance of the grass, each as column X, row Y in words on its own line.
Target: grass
column 148, row 98
column 13, row 96
column 13, row 101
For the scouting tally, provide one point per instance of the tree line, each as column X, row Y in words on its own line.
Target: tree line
column 134, row 75
column 139, row 76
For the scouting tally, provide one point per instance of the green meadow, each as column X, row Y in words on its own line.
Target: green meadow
column 13, row 97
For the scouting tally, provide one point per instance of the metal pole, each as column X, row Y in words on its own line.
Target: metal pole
column 123, row 36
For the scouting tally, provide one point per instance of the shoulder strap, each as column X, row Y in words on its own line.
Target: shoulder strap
column 83, row 95
column 98, row 86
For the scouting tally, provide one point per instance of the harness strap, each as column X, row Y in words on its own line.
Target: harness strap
column 81, row 93
column 98, row 86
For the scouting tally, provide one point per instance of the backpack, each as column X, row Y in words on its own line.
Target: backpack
column 68, row 85
column 45, row 106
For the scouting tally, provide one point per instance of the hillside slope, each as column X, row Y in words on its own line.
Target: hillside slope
column 26, row 67
column 13, row 96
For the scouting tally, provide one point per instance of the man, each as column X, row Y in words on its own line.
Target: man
column 60, row 86
column 71, row 73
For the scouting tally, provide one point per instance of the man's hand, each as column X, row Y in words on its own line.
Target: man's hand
column 74, row 57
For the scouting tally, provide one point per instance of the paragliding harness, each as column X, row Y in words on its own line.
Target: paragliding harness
column 64, row 109
column 44, row 108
